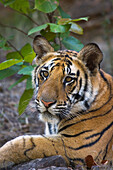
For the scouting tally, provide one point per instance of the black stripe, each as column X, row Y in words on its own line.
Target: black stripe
column 66, row 135
column 50, row 128
column 100, row 133
column 104, row 78
column 46, row 67
column 97, row 157
column 86, row 83
column 78, row 73
column 56, row 59
column 101, row 106
column 73, row 161
column 68, row 69
column 86, row 104
column 93, row 117
column 110, row 97
column 58, row 64
column 72, row 74
column 76, row 96
column 36, row 68
column 92, row 143
column 106, row 150
column 27, row 150
column 74, row 87
column 85, row 89
column 65, row 127
column 69, row 57
column 50, row 65
column 41, row 67
column 68, row 62
column 80, row 83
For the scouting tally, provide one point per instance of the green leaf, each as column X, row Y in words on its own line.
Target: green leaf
column 80, row 19
column 21, row 6
column 56, row 46
column 14, row 55
column 72, row 43
column 29, row 83
column 9, row 63
column 46, row 6
column 66, row 34
column 76, row 29
column 28, row 53
column 50, row 36
column 62, row 13
column 24, row 100
column 18, row 81
column 37, row 29
column 3, row 43
column 59, row 28
column 9, row 72
column 26, row 70
column 64, row 21
column 8, row 2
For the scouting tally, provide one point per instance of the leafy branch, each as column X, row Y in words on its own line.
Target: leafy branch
column 56, row 30
column 12, row 27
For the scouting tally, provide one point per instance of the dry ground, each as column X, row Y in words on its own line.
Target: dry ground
column 11, row 124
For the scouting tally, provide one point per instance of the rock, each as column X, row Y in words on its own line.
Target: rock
column 55, row 168
column 44, row 163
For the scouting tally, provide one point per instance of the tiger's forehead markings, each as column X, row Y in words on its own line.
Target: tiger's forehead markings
column 64, row 58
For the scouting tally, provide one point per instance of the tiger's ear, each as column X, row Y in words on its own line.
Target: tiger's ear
column 41, row 46
column 92, row 56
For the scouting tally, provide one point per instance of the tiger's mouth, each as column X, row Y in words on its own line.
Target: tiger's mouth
column 46, row 115
column 58, row 113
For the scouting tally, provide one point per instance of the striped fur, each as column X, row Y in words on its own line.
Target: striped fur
column 75, row 99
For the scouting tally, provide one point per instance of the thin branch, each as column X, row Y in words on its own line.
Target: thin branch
column 26, row 16
column 12, row 27
column 60, row 41
column 50, row 17
column 14, row 48
column 30, row 19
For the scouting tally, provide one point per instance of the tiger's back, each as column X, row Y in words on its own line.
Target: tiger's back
column 75, row 99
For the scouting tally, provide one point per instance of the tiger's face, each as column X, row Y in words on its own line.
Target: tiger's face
column 66, row 81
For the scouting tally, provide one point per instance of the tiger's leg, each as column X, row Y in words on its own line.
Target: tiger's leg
column 25, row 148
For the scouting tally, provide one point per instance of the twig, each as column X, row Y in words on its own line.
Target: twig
column 50, row 17
column 6, row 117
column 26, row 16
column 11, row 45
column 60, row 41
column 14, row 48
column 12, row 27
column 30, row 19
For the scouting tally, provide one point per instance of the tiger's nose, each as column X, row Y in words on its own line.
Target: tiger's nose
column 47, row 103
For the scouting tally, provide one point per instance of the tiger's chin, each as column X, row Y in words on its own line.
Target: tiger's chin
column 48, row 117
column 51, row 122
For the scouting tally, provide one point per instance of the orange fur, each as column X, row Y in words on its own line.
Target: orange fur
column 75, row 95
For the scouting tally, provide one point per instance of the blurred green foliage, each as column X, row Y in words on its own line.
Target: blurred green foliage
column 56, row 30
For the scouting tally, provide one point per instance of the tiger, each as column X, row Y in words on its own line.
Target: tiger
column 74, row 97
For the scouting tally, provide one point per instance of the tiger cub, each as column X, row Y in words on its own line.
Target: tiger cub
column 74, row 97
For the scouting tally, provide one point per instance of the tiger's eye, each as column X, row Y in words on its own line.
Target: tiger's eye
column 68, row 79
column 44, row 74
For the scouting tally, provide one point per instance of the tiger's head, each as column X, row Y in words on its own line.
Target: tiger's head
column 66, row 82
